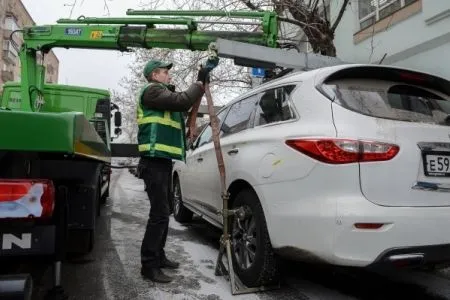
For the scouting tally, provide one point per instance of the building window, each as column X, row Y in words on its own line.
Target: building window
column 8, row 46
column 372, row 11
column 11, row 23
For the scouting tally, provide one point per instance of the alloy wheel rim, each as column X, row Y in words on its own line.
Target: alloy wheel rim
column 176, row 198
column 244, row 240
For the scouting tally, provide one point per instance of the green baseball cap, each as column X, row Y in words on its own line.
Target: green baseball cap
column 153, row 64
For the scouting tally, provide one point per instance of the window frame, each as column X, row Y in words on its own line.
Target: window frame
column 8, row 47
column 378, row 8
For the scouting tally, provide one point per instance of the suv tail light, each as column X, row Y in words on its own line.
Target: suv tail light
column 26, row 198
column 343, row 151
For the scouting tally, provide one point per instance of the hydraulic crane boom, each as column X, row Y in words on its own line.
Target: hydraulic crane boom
column 133, row 32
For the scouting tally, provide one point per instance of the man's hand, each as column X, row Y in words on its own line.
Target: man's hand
column 212, row 62
column 203, row 73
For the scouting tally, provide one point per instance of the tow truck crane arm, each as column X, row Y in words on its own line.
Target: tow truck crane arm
column 133, row 32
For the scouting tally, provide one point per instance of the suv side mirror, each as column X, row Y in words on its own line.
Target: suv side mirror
column 118, row 119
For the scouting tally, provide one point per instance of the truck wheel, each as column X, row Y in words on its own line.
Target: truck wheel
column 253, row 258
column 180, row 212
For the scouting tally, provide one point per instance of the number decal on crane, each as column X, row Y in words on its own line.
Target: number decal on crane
column 73, row 31
column 95, row 35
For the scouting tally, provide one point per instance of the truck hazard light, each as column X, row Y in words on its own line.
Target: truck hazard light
column 26, row 198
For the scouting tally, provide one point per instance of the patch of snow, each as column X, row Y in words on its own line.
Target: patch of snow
column 175, row 225
column 194, row 279
column 204, row 260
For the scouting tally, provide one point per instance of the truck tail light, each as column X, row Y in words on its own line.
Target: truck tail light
column 343, row 151
column 27, row 198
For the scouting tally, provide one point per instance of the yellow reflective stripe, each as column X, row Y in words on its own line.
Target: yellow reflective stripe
column 161, row 147
column 140, row 113
column 159, row 120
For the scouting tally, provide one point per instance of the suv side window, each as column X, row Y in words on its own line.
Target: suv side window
column 274, row 106
column 206, row 135
column 239, row 116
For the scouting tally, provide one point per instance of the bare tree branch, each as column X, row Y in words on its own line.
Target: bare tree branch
column 339, row 17
column 325, row 11
column 250, row 5
column 106, row 7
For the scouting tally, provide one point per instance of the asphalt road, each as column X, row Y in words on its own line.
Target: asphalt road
column 112, row 270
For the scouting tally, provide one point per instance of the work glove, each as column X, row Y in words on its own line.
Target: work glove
column 203, row 73
column 212, row 62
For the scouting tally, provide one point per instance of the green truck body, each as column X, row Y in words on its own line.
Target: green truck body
column 65, row 116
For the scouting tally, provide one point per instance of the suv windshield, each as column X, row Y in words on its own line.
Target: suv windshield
column 390, row 100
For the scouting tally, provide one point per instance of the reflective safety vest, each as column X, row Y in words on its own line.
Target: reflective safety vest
column 161, row 133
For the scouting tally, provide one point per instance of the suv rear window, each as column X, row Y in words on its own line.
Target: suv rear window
column 390, row 100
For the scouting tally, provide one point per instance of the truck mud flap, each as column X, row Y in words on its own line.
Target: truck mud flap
column 36, row 240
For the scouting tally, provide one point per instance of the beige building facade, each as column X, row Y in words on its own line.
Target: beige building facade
column 14, row 16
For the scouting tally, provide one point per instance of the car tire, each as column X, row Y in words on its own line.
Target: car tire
column 252, row 237
column 180, row 212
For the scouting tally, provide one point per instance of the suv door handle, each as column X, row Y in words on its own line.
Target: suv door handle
column 233, row 151
column 200, row 159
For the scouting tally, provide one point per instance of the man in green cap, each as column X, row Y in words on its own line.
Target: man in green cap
column 161, row 138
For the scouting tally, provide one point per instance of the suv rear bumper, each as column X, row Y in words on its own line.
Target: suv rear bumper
column 409, row 234
column 321, row 228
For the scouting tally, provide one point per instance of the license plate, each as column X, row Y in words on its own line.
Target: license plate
column 437, row 165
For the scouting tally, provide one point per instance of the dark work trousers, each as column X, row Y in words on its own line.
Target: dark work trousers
column 156, row 174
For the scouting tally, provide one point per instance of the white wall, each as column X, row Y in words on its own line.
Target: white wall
column 422, row 41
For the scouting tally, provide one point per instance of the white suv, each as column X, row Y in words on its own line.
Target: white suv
column 346, row 165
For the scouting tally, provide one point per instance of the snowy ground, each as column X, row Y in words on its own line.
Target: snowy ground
column 196, row 248
column 112, row 270
column 194, row 280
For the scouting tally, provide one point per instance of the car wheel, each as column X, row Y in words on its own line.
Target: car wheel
column 253, row 258
column 180, row 212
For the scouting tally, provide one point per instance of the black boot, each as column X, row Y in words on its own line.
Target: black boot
column 169, row 264
column 156, row 275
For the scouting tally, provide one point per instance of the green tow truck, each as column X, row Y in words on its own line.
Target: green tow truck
column 55, row 144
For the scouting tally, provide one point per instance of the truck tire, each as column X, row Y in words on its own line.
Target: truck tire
column 180, row 212
column 253, row 258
